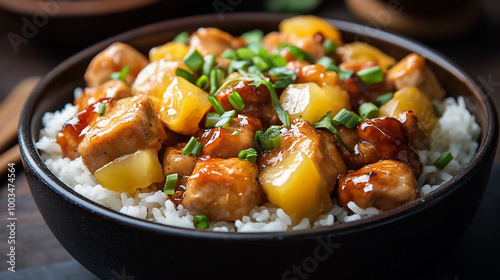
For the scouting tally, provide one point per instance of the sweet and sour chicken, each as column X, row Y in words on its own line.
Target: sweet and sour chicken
column 224, row 123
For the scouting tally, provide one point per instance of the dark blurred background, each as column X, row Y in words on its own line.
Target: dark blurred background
column 36, row 35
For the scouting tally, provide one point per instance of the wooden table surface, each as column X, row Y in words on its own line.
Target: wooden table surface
column 38, row 253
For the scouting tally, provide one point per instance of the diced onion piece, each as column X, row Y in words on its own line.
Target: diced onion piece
column 183, row 106
column 131, row 172
column 295, row 185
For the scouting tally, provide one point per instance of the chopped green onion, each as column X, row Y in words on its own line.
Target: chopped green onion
column 244, row 54
column 260, row 63
column 346, row 118
column 238, row 65
column 215, row 103
column 329, row 46
column 236, row 132
column 253, row 36
column 229, row 54
column 170, row 183
column 248, row 154
column 326, row 122
column 278, row 61
column 270, row 139
column 368, row 110
column 436, row 110
column 256, row 142
column 192, row 148
column 208, row 64
column 101, row 109
column 253, row 69
column 201, row 222
column 237, row 101
column 120, row 75
column 188, row 75
column 225, row 118
column 212, row 119
column 384, row 98
column 443, row 160
column 283, row 75
column 327, row 62
column 371, row 75
column 193, row 60
column 202, row 82
column 299, row 54
column 216, row 77
column 182, row 37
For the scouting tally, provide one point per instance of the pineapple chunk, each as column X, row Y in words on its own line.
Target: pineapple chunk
column 170, row 51
column 360, row 52
column 183, row 106
column 156, row 77
column 411, row 99
column 131, row 172
column 308, row 25
column 296, row 186
column 310, row 102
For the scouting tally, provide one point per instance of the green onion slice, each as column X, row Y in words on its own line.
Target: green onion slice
column 188, row 75
column 329, row 46
column 248, row 154
column 327, row 62
column 170, row 183
column 326, row 122
column 215, row 103
column 192, row 147
column 346, row 118
column 212, row 119
column 225, row 118
column 260, row 63
column 216, row 77
column 368, row 110
column 193, row 60
column 238, row 65
column 270, row 139
column 120, row 75
column 202, row 82
column 278, row 61
column 208, row 64
column 371, row 75
column 237, row 101
column 229, row 54
column 443, row 160
column 182, row 37
column 245, row 54
column 384, row 98
column 253, row 36
column 201, row 222
column 101, row 109
column 300, row 54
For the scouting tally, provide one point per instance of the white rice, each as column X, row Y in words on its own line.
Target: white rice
column 456, row 132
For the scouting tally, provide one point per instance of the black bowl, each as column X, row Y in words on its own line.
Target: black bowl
column 404, row 240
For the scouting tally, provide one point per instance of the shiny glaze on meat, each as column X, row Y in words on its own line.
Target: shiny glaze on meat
column 317, row 145
column 364, row 152
column 174, row 161
column 222, row 143
column 74, row 130
column 389, row 137
column 222, row 189
column 385, row 185
column 130, row 125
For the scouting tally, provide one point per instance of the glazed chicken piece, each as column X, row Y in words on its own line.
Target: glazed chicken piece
column 222, row 143
column 417, row 135
column 312, row 45
column 222, row 189
column 174, row 161
column 317, row 145
column 385, row 185
column 115, row 89
column 131, row 125
column 114, row 59
column 257, row 101
column 213, row 41
column 389, row 137
column 412, row 71
column 364, row 152
column 74, row 129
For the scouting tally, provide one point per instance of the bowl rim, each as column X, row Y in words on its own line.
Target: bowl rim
column 32, row 159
